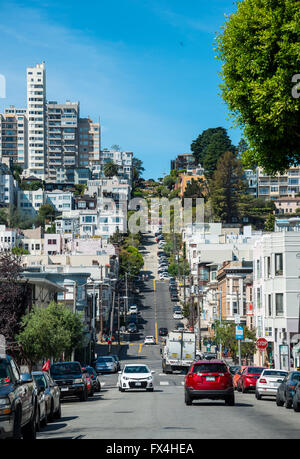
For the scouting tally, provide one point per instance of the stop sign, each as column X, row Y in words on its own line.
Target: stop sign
column 262, row 344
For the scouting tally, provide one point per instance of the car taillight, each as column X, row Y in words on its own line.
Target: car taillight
column 92, row 376
column 292, row 387
column 190, row 376
column 263, row 381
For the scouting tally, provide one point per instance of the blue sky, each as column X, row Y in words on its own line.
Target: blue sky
column 145, row 67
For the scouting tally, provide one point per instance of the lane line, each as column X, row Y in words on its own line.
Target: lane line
column 164, row 383
column 140, row 348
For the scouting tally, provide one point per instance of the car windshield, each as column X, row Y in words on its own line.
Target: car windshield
column 136, row 369
column 295, row 376
column 255, row 371
column 40, row 380
column 104, row 359
column 210, row 368
column 65, row 368
column 5, row 377
column 275, row 373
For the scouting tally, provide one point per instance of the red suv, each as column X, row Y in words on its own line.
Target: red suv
column 248, row 378
column 209, row 379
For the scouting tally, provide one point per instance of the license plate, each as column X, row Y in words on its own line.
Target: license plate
column 210, row 378
column 138, row 384
column 275, row 384
column 64, row 389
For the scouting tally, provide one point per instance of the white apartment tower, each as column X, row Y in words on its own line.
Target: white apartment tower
column 36, row 112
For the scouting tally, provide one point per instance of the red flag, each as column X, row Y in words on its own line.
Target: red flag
column 46, row 367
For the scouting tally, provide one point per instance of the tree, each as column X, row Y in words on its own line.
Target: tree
column 14, row 297
column 225, row 334
column 46, row 212
column 137, row 171
column 270, row 223
column 169, row 181
column 210, row 146
column 110, row 169
column 227, row 188
column 259, row 47
column 196, row 189
column 17, row 172
column 131, row 262
column 49, row 332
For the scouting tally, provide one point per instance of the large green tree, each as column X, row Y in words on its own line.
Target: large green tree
column 210, row 146
column 131, row 262
column 110, row 169
column 227, row 188
column 259, row 46
column 225, row 334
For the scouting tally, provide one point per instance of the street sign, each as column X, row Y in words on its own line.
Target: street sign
column 237, row 319
column 239, row 332
column 261, row 344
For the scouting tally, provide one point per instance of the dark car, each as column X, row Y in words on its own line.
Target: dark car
column 134, row 318
column 210, row 380
column 71, row 380
column 209, row 356
column 117, row 361
column 106, row 364
column 234, row 369
column 296, row 399
column 163, row 331
column 50, row 391
column 287, row 389
column 132, row 328
column 18, row 402
column 93, row 375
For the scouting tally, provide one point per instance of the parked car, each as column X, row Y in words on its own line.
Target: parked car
column 18, row 402
column 133, row 309
column 133, row 318
column 179, row 326
column 177, row 315
column 249, row 378
column 149, row 340
column 237, row 376
column 296, row 399
column 210, row 380
column 51, row 394
column 93, row 375
column 287, row 389
column 269, row 382
column 71, row 380
column 106, row 364
column 136, row 377
column 132, row 328
column 114, row 356
column 234, row 369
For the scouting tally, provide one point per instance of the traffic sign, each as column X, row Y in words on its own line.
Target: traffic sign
column 262, row 344
column 237, row 319
column 239, row 332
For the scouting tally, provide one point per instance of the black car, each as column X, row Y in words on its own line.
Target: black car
column 71, row 380
column 163, row 331
column 209, row 356
column 51, row 393
column 296, row 398
column 18, row 402
column 287, row 389
column 94, row 378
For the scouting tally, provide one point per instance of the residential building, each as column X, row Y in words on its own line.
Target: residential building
column 89, row 142
column 287, row 205
column 61, row 200
column 9, row 238
column 123, row 159
column 14, row 135
column 36, row 113
column 184, row 161
column 276, row 297
column 29, row 202
column 62, row 137
column 7, row 187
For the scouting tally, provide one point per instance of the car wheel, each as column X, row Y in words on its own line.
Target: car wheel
column 29, row 431
column 258, row 396
column 44, row 421
column 57, row 414
column 83, row 396
column 121, row 389
column 279, row 402
column 150, row 389
column 17, row 431
column 296, row 405
column 230, row 401
column 188, row 399
column 288, row 403
column 38, row 420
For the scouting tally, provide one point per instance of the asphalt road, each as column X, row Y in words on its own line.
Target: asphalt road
column 163, row 413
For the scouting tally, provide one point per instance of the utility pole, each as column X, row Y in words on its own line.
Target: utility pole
column 199, row 310
column 119, row 320
column 112, row 321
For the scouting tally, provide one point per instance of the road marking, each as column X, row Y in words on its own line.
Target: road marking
column 164, row 383
column 140, row 348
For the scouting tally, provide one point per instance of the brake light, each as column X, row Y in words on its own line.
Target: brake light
column 263, row 381
column 92, row 376
column 190, row 376
column 292, row 387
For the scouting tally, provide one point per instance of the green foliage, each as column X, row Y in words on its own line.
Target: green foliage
column 19, row 251
column 227, row 188
column 79, row 189
column 259, row 47
column 131, row 262
column 3, row 217
column 169, row 181
column 110, row 169
column 49, row 332
column 17, row 172
column 225, row 334
column 210, row 146
column 196, row 189
column 46, row 212
column 270, row 223
column 32, row 186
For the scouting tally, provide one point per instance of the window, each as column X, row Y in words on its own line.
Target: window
column 270, row 312
column 257, row 269
column 278, row 264
column 279, row 304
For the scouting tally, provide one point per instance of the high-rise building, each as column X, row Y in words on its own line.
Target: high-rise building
column 62, row 137
column 89, row 142
column 36, row 112
column 13, row 135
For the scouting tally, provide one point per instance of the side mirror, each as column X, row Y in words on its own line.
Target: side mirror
column 119, row 372
column 26, row 378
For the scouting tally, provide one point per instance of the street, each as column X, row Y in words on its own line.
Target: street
column 163, row 414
